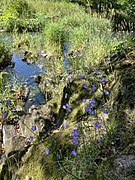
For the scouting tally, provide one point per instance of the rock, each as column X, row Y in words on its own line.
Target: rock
column 41, row 117
column 12, row 140
column 124, row 166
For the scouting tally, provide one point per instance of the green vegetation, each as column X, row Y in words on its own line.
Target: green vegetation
column 88, row 84
column 5, row 54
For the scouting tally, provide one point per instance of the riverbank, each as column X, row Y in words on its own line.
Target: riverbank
column 85, row 129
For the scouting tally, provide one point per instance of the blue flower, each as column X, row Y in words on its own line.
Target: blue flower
column 30, row 138
column 5, row 115
column 97, row 125
column 74, row 153
column 67, row 104
column 92, row 103
column 106, row 111
column 8, row 102
column 64, row 107
column 76, row 132
column 69, row 110
column 47, row 151
column 0, row 101
column 99, row 73
column 75, row 140
column 33, row 128
column 84, row 100
column 106, row 92
column 92, row 112
column 85, row 86
column 82, row 76
column 88, row 110
column 103, row 79
column 94, row 89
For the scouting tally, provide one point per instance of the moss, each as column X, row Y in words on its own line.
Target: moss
column 36, row 164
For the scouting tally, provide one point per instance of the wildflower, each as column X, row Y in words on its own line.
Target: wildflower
column 88, row 110
column 67, row 104
column 30, row 138
column 99, row 73
column 75, row 132
column 74, row 153
column 103, row 79
column 92, row 103
column 64, row 107
column 97, row 125
column 106, row 111
column 5, row 115
column 33, row 128
column 85, row 86
column 106, row 92
column 47, row 151
column 8, row 102
column 84, row 100
column 69, row 110
column 82, row 76
column 94, row 89
column 75, row 140
column 92, row 112
column 0, row 101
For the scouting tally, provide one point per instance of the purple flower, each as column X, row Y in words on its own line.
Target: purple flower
column 47, row 151
column 64, row 107
column 75, row 132
column 92, row 112
column 99, row 73
column 30, row 138
column 84, row 100
column 75, row 140
column 74, row 153
column 8, row 102
column 94, row 89
column 33, row 128
column 88, row 110
column 97, row 125
column 69, row 110
column 67, row 104
column 85, row 86
column 106, row 111
column 106, row 92
column 5, row 115
column 92, row 103
column 103, row 79
column 82, row 76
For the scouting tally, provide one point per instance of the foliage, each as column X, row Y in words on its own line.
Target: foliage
column 5, row 54
column 87, row 99
column 20, row 15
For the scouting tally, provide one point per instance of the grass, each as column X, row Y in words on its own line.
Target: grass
column 90, row 43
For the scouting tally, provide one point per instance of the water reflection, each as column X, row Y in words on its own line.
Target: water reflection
column 24, row 74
